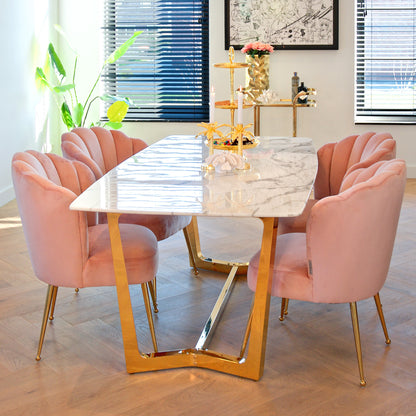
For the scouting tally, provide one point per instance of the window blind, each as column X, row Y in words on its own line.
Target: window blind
column 165, row 73
column 385, row 61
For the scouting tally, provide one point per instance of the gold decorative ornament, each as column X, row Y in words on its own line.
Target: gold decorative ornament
column 257, row 77
column 234, row 140
column 231, row 65
column 210, row 130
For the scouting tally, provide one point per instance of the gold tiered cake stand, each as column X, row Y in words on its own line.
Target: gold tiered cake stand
column 231, row 103
column 238, row 138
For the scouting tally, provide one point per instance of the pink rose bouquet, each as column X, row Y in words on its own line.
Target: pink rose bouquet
column 257, row 48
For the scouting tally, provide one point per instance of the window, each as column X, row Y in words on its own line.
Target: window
column 166, row 71
column 385, row 61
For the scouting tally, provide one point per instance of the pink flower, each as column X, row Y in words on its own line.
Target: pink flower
column 257, row 48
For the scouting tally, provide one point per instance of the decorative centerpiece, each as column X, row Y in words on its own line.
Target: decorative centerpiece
column 231, row 65
column 238, row 138
column 257, row 58
column 233, row 143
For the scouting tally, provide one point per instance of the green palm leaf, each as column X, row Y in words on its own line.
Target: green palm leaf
column 121, row 50
column 63, row 88
column 78, row 113
column 56, row 62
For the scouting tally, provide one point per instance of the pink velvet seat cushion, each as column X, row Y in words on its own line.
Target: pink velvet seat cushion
column 139, row 249
column 296, row 224
column 163, row 226
column 290, row 268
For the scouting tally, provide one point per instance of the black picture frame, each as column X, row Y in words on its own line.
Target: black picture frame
column 284, row 24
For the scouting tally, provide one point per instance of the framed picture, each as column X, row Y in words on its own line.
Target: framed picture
column 284, row 24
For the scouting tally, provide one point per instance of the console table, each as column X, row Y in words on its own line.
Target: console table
column 284, row 103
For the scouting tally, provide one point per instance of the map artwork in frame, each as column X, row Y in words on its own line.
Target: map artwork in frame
column 284, row 24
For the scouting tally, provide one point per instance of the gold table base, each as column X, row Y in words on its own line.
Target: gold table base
column 251, row 366
column 208, row 263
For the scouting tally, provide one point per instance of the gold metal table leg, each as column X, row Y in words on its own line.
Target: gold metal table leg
column 250, row 367
column 295, row 119
column 207, row 263
column 217, row 310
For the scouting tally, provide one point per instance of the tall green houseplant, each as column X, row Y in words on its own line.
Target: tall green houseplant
column 74, row 112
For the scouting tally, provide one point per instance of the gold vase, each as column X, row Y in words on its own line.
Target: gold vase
column 257, row 77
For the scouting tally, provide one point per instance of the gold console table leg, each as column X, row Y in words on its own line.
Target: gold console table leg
column 256, row 127
column 250, row 367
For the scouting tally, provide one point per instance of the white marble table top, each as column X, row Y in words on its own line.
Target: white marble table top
column 166, row 178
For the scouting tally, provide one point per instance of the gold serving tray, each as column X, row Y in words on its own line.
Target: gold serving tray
column 227, row 105
column 231, row 65
column 234, row 147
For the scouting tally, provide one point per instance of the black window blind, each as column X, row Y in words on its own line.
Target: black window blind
column 165, row 72
column 385, row 61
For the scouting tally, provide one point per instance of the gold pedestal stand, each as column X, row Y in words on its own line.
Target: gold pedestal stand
column 237, row 132
column 231, row 65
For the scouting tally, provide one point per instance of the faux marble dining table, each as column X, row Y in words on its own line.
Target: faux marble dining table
column 166, row 178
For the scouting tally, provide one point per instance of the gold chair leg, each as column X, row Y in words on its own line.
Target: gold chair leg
column 381, row 316
column 52, row 310
column 247, row 333
column 191, row 255
column 149, row 314
column 49, row 295
column 283, row 308
column 153, row 294
column 356, row 329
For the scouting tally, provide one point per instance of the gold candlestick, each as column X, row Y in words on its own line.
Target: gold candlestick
column 240, row 129
column 238, row 132
column 210, row 130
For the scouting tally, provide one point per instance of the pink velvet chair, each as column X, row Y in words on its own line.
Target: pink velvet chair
column 335, row 160
column 67, row 248
column 344, row 256
column 102, row 150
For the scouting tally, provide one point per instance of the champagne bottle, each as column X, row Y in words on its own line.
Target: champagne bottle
column 295, row 84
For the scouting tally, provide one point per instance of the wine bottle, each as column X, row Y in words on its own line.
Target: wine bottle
column 295, row 84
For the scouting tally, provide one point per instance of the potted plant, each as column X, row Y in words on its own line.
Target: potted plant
column 74, row 112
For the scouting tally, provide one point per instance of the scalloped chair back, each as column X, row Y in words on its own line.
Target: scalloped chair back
column 344, row 256
column 102, row 150
column 335, row 161
column 68, row 248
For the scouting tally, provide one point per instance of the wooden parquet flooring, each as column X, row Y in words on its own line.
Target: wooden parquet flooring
column 310, row 364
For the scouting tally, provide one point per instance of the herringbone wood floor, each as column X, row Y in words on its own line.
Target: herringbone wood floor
column 310, row 365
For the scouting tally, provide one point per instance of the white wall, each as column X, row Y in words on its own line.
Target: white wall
column 330, row 72
column 21, row 26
